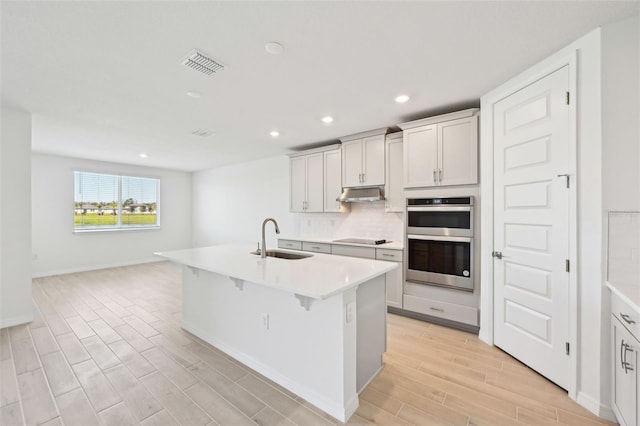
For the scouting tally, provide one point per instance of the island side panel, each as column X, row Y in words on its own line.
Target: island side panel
column 371, row 329
column 312, row 353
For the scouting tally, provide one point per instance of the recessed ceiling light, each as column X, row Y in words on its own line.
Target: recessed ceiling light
column 274, row 133
column 328, row 119
column 274, row 48
column 194, row 94
column 142, row 155
column 402, row 99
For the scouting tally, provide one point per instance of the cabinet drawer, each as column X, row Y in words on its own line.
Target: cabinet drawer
column 627, row 315
column 436, row 308
column 316, row 247
column 353, row 251
column 290, row 244
column 391, row 255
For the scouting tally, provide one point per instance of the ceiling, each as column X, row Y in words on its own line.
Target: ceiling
column 104, row 80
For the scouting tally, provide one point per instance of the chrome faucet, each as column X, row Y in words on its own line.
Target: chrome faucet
column 263, row 252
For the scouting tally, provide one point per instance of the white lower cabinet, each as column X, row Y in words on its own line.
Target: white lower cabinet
column 448, row 311
column 354, row 251
column 290, row 244
column 625, row 356
column 394, row 279
column 316, row 247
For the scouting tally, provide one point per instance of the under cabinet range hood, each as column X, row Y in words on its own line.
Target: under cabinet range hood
column 354, row 195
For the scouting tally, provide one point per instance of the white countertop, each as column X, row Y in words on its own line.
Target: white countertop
column 393, row 245
column 318, row 277
column 627, row 291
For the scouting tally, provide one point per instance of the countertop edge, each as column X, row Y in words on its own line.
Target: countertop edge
column 318, row 296
column 622, row 294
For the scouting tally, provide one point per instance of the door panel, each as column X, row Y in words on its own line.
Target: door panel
column 315, row 174
column 373, row 160
column 351, row 163
column 298, row 183
column 531, row 225
column 420, row 156
column 458, row 151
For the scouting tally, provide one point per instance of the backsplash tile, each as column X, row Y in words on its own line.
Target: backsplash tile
column 624, row 248
column 366, row 220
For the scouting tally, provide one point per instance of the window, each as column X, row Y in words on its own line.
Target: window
column 115, row 202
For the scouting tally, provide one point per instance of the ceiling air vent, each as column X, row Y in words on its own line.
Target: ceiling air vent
column 199, row 61
column 202, row 133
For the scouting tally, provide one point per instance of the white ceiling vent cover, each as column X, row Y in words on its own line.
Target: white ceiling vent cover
column 202, row 133
column 199, row 61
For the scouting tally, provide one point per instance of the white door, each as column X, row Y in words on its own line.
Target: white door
column 531, row 225
column 373, row 160
column 352, row 163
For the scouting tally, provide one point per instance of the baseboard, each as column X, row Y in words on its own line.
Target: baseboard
column 434, row 320
column 339, row 412
column 95, row 267
column 597, row 408
column 21, row 319
column 485, row 337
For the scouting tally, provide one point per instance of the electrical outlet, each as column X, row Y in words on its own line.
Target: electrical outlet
column 265, row 321
column 351, row 312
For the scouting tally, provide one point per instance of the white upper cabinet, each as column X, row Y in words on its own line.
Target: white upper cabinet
column 420, row 156
column 394, row 192
column 307, row 193
column 363, row 159
column 315, row 180
column 298, row 183
column 333, row 181
column 441, row 150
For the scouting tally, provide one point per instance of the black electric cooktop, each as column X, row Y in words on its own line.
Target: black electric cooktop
column 361, row 241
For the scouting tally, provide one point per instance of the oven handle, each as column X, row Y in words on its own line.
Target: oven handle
column 439, row 209
column 438, row 238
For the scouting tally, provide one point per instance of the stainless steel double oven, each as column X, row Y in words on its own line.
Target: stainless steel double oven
column 439, row 242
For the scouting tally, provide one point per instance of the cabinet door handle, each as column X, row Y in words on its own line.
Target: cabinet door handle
column 440, row 175
column 627, row 319
column 436, row 309
column 364, row 178
column 434, row 176
column 387, row 255
column 624, row 348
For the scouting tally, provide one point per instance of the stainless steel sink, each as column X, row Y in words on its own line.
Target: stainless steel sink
column 284, row 254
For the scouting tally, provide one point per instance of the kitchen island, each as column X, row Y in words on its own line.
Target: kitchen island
column 316, row 326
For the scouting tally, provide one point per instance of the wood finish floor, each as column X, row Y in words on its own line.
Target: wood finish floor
column 106, row 348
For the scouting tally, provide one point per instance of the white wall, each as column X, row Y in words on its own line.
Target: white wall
column 60, row 250
column 16, row 306
column 230, row 203
column 621, row 115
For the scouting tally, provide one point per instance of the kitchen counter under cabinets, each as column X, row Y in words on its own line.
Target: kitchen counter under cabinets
column 390, row 252
column 393, row 245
